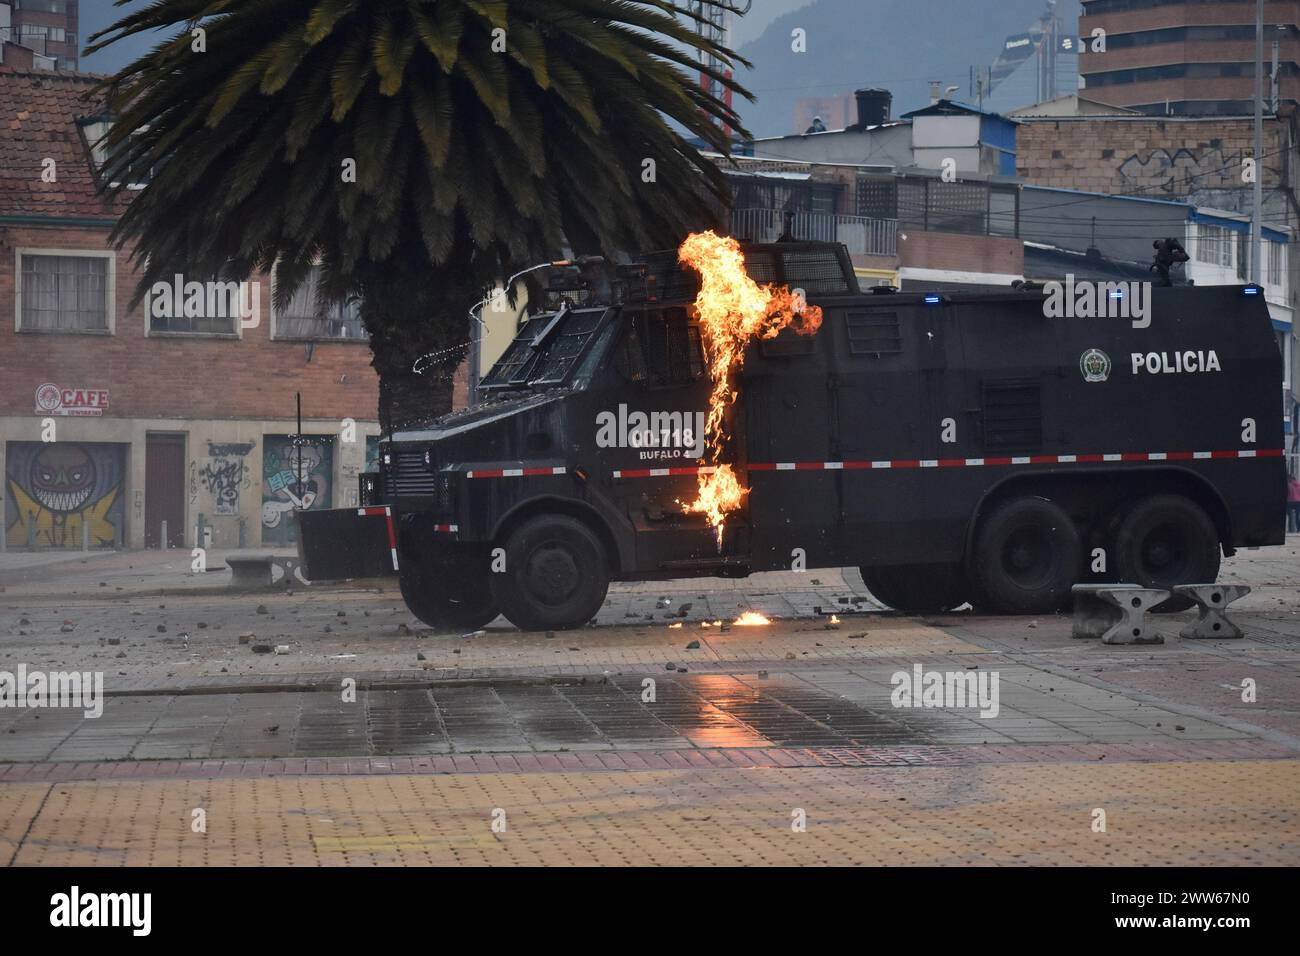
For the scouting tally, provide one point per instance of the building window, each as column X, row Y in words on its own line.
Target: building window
column 45, row 6
column 65, row 291
column 305, row 317
column 1275, row 265
column 1214, row 245
column 212, row 307
column 95, row 130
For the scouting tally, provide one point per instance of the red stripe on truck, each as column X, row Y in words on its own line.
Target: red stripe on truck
column 1003, row 461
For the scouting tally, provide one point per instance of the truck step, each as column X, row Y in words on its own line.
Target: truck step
column 727, row 566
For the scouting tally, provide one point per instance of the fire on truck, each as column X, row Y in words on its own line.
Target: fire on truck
column 955, row 447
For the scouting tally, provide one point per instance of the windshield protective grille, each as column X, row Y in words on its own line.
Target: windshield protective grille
column 546, row 349
column 566, row 346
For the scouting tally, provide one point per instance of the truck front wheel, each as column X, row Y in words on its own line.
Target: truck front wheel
column 555, row 576
column 1027, row 557
column 917, row 588
column 447, row 594
column 1164, row 541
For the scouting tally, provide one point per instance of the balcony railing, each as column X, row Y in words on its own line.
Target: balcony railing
column 864, row 237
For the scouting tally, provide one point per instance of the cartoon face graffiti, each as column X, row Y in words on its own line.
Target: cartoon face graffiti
column 62, row 477
column 282, row 489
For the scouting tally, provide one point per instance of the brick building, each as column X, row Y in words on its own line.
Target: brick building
column 1187, row 56
column 181, row 410
column 47, row 28
column 1166, row 156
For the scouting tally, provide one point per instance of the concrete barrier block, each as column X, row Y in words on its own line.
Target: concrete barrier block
column 1212, row 601
column 1116, row 613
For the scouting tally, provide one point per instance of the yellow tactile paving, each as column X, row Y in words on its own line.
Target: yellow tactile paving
column 1238, row 812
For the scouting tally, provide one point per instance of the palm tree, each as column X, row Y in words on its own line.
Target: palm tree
column 483, row 134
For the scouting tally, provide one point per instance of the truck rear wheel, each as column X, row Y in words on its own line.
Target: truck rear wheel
column 1027, row 557
column 445, row 595
column 1164, row 541
column 917, row 588
column 555, row 575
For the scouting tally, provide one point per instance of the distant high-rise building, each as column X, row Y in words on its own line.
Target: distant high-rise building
column 47, row 27
column 1188, row 57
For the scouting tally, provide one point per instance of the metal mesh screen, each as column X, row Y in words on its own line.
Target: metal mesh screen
column 563, row 351
column 817, row 268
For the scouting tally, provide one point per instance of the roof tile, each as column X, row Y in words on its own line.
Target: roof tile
column 38, row 121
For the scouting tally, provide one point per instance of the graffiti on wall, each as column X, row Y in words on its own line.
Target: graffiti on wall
column 1203, row 169
column 282, row 491
column 226, row 474
column 54, row 489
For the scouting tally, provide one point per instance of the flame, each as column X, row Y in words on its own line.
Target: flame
column 751, row 619
column 834, row 619
column 733, row 310
column 674, row 626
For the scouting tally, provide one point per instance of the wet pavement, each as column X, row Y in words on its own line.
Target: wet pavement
column 657, row 736
column 836, row 708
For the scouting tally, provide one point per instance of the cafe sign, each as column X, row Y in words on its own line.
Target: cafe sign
column 78, row 402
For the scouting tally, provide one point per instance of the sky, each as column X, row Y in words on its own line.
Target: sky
column 896, row 44
column 95, row 16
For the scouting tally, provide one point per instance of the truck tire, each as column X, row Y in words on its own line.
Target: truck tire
column 1027, row 557
column 445, row 596
column 917, row 588
column 556, row 575
column 1167, row 540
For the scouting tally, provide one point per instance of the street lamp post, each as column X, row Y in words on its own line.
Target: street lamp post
column 1257, row 219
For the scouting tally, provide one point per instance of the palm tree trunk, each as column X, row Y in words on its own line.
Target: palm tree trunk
column 406, row 399
column 417, row 321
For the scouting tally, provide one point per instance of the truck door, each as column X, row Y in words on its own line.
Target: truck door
column 792, row 429
column 891, row 376
column 653, row 438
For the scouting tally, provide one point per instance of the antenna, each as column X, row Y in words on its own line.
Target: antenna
column 713, row 24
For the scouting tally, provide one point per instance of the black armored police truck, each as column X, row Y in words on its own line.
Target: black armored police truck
column 988, row 447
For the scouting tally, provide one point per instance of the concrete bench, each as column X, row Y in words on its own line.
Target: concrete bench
column 1115, row 612
column 253, row 572
column 1212, row 601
